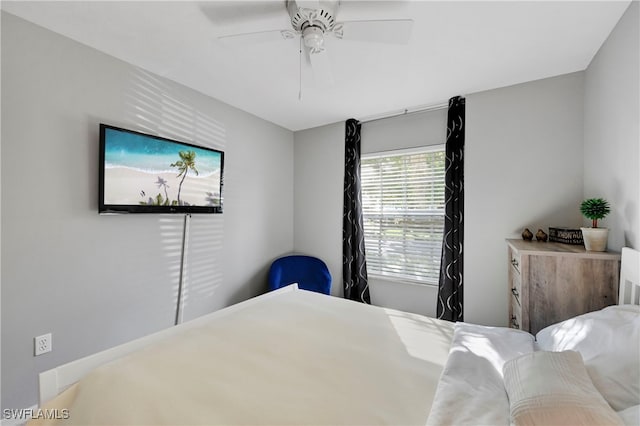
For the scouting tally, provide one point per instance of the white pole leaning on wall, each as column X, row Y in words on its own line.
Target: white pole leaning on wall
column 183, row 259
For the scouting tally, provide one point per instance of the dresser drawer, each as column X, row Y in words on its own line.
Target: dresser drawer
column 550, row 282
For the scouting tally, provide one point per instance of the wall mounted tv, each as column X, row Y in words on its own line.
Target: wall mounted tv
column 141, row 173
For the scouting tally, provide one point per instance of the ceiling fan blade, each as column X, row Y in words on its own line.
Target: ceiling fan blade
column 308, row 4
column 321, row 66
column 257, row 37
column 393, row 31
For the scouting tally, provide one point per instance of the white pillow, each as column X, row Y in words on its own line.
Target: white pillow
column 553, row 388
column 609, row 342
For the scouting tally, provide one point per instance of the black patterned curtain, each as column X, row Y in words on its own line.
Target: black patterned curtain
column 450, row 294
column 354, row 265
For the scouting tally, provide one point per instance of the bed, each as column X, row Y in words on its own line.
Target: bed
column 296, row 357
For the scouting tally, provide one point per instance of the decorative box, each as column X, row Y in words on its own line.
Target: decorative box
column 565, row 235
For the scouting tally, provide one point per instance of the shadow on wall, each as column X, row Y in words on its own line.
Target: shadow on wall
column 203, row 272
column 153, row 106
column 623, row 214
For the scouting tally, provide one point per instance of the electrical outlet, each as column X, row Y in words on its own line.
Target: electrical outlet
column 42, row 344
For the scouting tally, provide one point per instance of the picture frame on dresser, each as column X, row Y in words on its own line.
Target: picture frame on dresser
column 550, row 282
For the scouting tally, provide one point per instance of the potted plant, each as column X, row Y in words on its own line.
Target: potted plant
column 595, row 239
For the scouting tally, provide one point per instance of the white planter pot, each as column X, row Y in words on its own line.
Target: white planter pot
column 595, row 239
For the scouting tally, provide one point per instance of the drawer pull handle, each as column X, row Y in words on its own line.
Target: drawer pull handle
column 514, row 262
column 515, row 293
column 514, row 322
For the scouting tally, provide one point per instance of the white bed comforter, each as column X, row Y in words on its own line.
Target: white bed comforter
column 304, row 358
column 471, row 390
column 298, row 358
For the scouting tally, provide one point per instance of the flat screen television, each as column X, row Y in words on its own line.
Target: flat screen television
column 141, row 173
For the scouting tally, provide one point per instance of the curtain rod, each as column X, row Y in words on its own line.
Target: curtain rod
column 405, row 111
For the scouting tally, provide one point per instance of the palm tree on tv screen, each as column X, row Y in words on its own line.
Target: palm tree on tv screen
column 162, row 183
column 187, row 162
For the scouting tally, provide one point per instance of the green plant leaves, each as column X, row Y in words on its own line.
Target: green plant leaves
column 594, row 209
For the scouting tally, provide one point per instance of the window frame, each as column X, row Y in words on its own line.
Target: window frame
column 438, row 147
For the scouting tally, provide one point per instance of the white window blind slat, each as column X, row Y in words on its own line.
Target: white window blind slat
column 403, row 209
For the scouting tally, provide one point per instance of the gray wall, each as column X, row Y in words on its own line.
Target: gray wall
column 612, row 139
column 523, row 168
column 318, row 177
column 98, row 281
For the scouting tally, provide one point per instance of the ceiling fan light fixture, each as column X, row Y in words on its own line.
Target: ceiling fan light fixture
column 313, row 38
column 322, row 15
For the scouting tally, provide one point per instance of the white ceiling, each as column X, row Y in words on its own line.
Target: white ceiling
column 456, row 48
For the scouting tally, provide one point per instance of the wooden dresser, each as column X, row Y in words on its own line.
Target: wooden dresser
column 551, row 282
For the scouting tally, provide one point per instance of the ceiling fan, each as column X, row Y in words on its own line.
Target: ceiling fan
column 313, row 21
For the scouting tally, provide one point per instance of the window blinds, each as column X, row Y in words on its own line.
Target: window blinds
column 403, row 209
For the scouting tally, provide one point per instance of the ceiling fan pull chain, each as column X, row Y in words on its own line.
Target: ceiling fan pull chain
column 300, row 71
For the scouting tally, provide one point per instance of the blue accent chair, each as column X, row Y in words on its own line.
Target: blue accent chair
column 309, row 272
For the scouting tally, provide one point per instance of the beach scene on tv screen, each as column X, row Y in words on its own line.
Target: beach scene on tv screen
column 141, row 170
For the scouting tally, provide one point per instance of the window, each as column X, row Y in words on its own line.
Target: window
column 403, row 209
